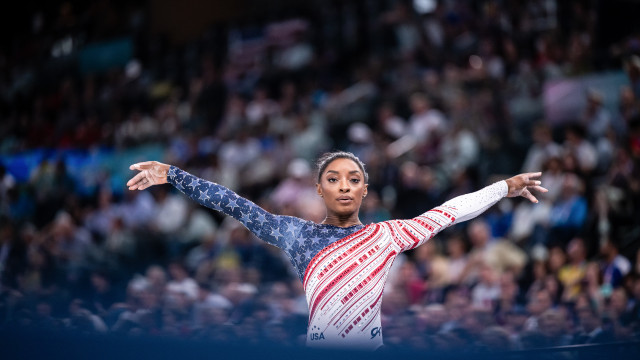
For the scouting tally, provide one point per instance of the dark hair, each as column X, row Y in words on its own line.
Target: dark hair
column 327, row 158
column 577, row 129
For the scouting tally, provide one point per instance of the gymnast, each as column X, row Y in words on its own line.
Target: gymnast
column 342, row 263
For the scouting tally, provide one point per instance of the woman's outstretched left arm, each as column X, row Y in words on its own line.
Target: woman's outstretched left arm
column 414, row 232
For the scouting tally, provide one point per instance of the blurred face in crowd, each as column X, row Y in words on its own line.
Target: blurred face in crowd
column 148, row 299
column 156, row 277
column 594, row 102
column 100, row 283
column 571, row 186
column 572, row 138
column 280, row 291
column 540, row 302
column 425, row 252
column 626, row 96
column 409, row 174
column 177, row 272
column 239, row 236
column 557, row 259
column 487, row 274
column 342, row 186
column 542, row 135
column 552, row 285
column 455, row 247
column 636, row 289
column 618, row 301
column 479, row 233
column 552, row 323
column 587, row 319
column 569, row 162
column 385, row 112
column 607, row 249
column 576, row 250
column 477, row 320
column 372, row 201
column 433, row 317
column 456, row 305
column 554, row 165
column 592, row 273
column 508, row 286
column 539, row 270
column 516, row 320
column 419, row 103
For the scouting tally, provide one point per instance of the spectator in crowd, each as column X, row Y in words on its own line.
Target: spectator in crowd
column 543, row 149
column 537, row 305
column 593, row 287
column 580, row 155
column 486, row 292
column 572, row 274
column 569, row 213
column 426, row 126
column 596, row 117
column 614, row 266
column 590, row 329
column 457, row 254
column 553, row 325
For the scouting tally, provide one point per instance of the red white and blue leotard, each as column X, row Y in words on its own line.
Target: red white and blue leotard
column 343, row 270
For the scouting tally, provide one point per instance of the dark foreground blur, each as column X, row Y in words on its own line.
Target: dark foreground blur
column 32, row 345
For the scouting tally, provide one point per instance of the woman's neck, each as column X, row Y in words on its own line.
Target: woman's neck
column 342, row 221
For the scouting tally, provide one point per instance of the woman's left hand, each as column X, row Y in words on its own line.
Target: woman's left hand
column 520, row 185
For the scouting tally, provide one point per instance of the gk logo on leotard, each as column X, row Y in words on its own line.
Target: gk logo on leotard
column 376, row 331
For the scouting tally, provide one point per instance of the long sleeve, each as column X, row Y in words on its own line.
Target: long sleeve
column 274, row 229
column 408, row 234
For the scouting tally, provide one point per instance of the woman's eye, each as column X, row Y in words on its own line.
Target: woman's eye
column 355, row 180
column 332, row 180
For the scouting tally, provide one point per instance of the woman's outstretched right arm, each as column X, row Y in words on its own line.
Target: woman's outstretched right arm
column 264, row 225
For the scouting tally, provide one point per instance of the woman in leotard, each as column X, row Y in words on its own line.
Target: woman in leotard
column 342, row 263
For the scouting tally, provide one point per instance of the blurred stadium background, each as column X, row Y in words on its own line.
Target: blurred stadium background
column 438, row 98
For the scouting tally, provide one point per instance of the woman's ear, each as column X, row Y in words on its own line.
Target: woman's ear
column 319, row 189
column 366, row 190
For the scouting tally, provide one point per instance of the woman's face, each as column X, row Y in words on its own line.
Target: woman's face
column 342, row 187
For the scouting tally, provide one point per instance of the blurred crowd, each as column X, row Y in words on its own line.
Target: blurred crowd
column 437, row 98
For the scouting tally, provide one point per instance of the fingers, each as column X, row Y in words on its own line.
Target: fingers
column 141, row 165
column 141, row 181
column 527, row 194
column 137, row 186
column 539, row 188
column 532, row 175
column 135, row 180
column 532, row 183
column 145, row 184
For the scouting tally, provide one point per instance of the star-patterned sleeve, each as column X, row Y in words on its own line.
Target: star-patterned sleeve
column 276, row 230
column 408, row 234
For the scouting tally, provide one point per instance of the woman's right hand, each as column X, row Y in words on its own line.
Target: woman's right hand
column 151, row 173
